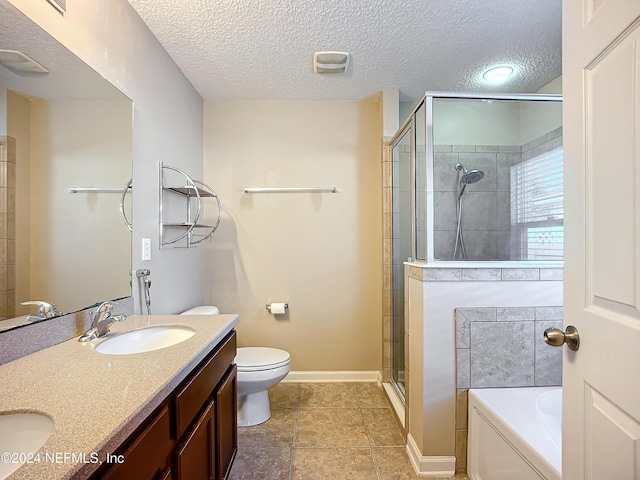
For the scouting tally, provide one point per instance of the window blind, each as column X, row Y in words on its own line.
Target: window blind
column 543, row 243
column 536, row 188
column 537, row 205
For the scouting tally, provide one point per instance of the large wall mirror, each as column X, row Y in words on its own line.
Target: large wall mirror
column 63, row 128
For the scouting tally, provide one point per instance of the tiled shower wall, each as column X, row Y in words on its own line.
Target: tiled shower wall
column 502, row 347
column 485, row 205
column 387, row 264
column 7, row 226
column 486, row 215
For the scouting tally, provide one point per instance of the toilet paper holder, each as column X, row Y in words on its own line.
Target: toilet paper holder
column 268, row 307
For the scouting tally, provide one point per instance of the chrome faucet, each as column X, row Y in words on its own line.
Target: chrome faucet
column 45, row 310
column 101, row 322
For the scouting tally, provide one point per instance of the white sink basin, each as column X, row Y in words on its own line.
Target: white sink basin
column 21, row 435
column 145, row 340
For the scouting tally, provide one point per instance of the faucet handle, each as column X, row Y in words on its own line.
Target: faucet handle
column 102, row 311
column 105, row 309
column 104, row 326
column 45, row 309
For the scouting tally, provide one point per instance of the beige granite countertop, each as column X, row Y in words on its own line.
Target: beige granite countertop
column 95, row 400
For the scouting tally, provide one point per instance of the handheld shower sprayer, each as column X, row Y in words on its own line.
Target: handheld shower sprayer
column 468, row 177
column 146, row 285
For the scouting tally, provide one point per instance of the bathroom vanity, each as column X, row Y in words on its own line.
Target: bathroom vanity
column 170, row 413
column 192, row 434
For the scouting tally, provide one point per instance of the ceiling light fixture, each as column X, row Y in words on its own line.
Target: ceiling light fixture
column 497, row 74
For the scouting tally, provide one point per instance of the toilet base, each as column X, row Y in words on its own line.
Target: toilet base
column 253, row 408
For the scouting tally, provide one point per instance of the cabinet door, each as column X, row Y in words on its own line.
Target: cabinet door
column 146, row 456
column 193, row 459
column 226, row 404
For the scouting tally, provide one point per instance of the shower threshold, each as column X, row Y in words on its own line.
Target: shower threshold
column 396, row 401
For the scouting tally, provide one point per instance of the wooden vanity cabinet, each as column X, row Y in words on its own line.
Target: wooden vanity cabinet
column 147, row 452
column 214, row 432
column 207, row 449
column 192, row 435
column 226, row 413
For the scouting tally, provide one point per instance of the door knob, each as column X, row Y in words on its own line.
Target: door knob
column 556, row 338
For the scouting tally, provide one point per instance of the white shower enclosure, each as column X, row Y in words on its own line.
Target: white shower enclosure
column 475, row 178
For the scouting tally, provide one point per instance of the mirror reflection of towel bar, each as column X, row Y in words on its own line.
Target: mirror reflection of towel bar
column 95, row 190
column 291, row 190
column 122, row 191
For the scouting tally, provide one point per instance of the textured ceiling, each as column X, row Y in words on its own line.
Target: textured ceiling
column 68, row 77
column 264, row 48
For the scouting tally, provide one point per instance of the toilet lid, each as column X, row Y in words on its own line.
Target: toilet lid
column 260, row 358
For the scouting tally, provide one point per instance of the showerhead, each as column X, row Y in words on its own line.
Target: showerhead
column 472, row 177
column 469, row 176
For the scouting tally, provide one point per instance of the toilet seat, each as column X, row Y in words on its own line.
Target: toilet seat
column 254, row 359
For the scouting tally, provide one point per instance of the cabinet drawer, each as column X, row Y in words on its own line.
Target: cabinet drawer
column 147, row 456
column 195, row 391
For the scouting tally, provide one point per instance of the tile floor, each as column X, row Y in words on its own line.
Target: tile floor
column 325, row 431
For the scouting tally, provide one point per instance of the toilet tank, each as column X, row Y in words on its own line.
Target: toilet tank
column 202, row 310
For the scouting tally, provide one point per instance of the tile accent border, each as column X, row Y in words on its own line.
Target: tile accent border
column 501, row 347
column 484, row 274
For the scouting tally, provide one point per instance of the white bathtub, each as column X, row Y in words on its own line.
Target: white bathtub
column 515, row 433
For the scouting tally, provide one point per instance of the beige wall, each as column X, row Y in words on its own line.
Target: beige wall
column 541, row 118
column 19, row 127
column 474, row 122
column 84, row 143
column 319, row 252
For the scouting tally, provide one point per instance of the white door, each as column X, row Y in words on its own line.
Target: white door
column 601, row 75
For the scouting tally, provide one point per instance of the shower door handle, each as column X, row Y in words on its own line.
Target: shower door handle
column 557, row 338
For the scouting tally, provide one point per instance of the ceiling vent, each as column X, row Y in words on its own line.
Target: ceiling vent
column 330, row 62
column 19, row 62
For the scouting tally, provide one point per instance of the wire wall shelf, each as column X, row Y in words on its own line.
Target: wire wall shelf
column 191, row 231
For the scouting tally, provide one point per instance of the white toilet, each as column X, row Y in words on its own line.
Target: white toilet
column 259, row 368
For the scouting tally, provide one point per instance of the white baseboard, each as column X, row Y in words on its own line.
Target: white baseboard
column 333, row 376
column 429, row 466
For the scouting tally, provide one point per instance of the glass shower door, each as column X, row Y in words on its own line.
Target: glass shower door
column 401, row 249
